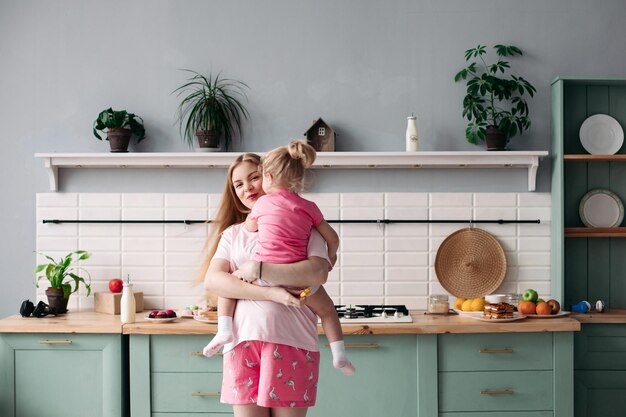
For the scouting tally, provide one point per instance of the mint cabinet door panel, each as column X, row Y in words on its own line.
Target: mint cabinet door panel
column 600, row 346
column 88, row 365
column 176, row 353
column 385, row 383
column 492, row 352
column 187, row 392
column 496, row 391
column 501, row 414
column 600, row 393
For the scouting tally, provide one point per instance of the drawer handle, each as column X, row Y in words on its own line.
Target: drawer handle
column 496, row 351
column 206, row 394
column 55, row 342
column 201, row 354
column 359, row 345
column 498, row 392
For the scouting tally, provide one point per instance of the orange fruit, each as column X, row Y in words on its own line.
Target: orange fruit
column 543, row 309
column 527, row 307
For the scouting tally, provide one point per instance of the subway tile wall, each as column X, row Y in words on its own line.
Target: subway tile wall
column 392, row 264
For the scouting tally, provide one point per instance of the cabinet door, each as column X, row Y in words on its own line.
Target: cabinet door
column 599, row 393
column 385, row 383
column 64, row 375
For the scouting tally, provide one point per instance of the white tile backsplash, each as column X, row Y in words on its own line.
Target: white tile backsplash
column 378, row 263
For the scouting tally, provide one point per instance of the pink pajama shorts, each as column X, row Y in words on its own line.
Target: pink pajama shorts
column 270, row 375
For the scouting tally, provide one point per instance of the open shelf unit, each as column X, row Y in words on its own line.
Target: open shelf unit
column 587, row 263
column 528, row 160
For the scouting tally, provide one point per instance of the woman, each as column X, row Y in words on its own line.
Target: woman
column 271, row 367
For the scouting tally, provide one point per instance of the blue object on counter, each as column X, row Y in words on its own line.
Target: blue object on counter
column 582, row 307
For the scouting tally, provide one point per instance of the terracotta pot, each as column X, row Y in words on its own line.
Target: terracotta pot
column 56, row 300
column 118, row 139
column 208, row 139
column 495, row 139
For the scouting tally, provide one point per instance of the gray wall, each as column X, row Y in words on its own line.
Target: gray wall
column 362, row 65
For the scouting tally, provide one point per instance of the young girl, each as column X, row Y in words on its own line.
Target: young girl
column 284, row 221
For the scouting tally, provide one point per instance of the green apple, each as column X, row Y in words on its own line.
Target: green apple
column 530, row 295
column 540, row 300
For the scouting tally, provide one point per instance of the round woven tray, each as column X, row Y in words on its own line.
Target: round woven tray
column 470, row 263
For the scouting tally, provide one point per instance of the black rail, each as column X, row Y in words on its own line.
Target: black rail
column 380, row 221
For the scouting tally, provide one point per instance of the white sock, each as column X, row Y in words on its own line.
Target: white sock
column 223, row 336
column 340, row 360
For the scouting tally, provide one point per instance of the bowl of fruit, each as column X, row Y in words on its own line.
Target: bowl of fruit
column 162, row 316
column 536, row 308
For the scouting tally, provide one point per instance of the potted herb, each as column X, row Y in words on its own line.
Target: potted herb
column 120, row 126
column 211, row 108
column 494, row 105
column 60, row 276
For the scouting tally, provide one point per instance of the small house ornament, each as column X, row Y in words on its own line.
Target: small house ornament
column 321, row 136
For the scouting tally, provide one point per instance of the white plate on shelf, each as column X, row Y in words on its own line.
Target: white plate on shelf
column 601, row 134
column 601, row 208
column 516, row 317
column 551, row 316
column 158, row 320
column 204, row 319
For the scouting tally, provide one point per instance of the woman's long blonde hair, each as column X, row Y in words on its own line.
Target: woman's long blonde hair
column 288, row 163
column 231, row 211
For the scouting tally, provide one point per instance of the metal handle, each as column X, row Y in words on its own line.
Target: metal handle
column 55, row 342
column 201, row 354
column 496, row 351
column 359, row 345
column 498, row 392
column 206, row 394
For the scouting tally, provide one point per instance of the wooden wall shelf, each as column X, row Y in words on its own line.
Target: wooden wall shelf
column 592, row 158
column 528, row 160
column 595, row 232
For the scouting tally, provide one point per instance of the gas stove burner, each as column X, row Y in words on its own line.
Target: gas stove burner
column 374, row 312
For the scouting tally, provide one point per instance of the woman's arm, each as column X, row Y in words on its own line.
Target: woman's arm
column 306, row 273
column 220, row 282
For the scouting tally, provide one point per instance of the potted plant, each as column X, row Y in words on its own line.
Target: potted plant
column 120, row 126
column 211, row 108
column 60, row 276
column 494, row 105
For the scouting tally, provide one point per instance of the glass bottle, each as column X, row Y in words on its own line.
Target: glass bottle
column 438, row 304
column 412, row 144
column 127, row 303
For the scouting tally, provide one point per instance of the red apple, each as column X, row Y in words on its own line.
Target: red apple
column 554, row 305
column 116, row 285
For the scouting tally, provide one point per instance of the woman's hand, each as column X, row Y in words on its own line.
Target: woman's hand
column 283, row 296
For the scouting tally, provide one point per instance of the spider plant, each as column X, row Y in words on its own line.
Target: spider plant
column 211, row 104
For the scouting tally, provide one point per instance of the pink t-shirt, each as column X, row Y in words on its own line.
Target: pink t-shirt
column 266, row 320
column 285, row 221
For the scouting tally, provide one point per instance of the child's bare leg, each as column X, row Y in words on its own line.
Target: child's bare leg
column 225, row 311
column 321, row 304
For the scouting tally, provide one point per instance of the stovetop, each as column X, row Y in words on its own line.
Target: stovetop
column 373, row 314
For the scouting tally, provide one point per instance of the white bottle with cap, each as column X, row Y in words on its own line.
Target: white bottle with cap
column 412, row 144
column 127, row 303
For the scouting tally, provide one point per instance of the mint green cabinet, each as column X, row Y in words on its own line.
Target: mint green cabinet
column 62, row 375
column 385, row 383
column 170, row 377
column 600, row 370
column 503, row 374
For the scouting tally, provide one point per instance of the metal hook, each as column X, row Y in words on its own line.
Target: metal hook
column 471, row 224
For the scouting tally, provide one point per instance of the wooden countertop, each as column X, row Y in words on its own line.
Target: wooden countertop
column 73, row 322
column 92, row 322
column 422, row 324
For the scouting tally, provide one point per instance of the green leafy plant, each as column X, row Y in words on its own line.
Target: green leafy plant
column 61, row 274
column 211, row 103
column 492, row 100
column 120, row 119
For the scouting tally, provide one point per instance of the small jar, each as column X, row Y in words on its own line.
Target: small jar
column 438, row 304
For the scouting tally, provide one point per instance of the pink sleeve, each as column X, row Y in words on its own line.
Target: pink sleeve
column 315, row 213
column 225, row 245
column 258, row 207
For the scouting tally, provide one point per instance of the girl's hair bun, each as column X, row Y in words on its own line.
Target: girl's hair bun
column 300, row 150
